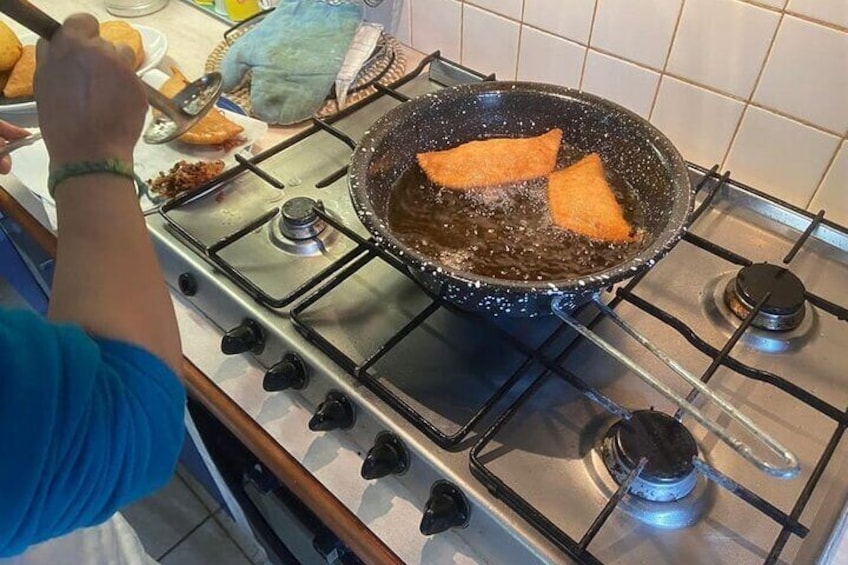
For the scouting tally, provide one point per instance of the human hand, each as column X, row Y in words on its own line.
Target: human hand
column 91, row 104
column 8, row 132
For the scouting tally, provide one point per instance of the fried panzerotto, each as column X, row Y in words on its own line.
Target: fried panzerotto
column 492, row 162
column 20, row 83
column 10, row 48
column 122, row 32
column 214, row 128
column 581, row 201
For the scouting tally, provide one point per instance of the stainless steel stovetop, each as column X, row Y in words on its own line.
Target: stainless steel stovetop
column 487, row 410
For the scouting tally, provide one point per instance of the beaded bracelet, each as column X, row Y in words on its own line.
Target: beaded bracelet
column 111, row 166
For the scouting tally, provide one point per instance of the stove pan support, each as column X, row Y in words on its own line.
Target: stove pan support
column 789, row 522
column 361, row 370
column 440, row 70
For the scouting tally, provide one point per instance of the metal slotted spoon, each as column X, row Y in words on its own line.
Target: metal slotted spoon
column 174, row 116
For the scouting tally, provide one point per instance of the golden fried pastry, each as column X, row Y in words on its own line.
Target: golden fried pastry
column 10, row 48
column 21, row 79
column 582, row 201
column 492, row 162
column 212, row 129
column 121, row 32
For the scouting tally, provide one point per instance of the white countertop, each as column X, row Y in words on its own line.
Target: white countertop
column 381, row 505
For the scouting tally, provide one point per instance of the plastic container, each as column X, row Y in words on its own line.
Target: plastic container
column 134, row 8
column 239, row 10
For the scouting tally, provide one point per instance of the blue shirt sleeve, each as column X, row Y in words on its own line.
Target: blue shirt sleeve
column 86, row 426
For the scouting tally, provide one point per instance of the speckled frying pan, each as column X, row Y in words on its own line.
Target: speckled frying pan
column 629, row 145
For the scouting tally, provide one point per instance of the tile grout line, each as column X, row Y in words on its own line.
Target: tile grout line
column 411, row 19
column 520, row 37
column 185, row 537
column 200, row 496
column 797, row 15
column 461, row 30
column 588, row 44
column 716, row 91
column 750, row 100
column 830, row 165
column 231, row 538
column 663, row 72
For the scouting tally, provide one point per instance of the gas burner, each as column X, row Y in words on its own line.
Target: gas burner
column 298, row 219
column 785, row 308
column 299, row 230
column 668, row 446
column 715, row 308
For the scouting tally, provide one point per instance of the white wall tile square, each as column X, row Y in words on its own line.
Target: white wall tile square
column 830, row 11
column 806, row 75
column 509, row 8
column 700, row 123
column 490, row 43
column 624, row 83
column 547, row 58
column 722, row 44
column 437, row 25
column 571, row 19
column 404, row 29
column 639, row 30
column 833, row 194
column 780, row 156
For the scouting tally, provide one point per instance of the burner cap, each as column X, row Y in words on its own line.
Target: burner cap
column 298, row 219
column 667, row 445
column 784, row 309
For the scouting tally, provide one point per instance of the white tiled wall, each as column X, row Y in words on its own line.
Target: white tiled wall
column 759, row 87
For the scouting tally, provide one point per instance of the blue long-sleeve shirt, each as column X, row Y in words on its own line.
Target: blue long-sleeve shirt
column 86, row 426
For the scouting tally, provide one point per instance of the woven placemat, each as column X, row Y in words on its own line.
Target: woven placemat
column 386, row 65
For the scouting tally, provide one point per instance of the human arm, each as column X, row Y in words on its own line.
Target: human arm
column 91, row 107
column 86, row 426
column 91, row 410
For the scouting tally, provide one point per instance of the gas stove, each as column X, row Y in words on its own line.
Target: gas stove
column 529, row 441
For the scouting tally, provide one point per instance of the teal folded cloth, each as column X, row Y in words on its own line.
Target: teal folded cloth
column 293, row 56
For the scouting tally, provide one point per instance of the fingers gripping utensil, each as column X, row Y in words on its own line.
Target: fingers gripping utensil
column 18, row 143
column 174, row 116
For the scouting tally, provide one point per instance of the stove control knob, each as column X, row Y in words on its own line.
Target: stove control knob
column 187, row 284
column 387, row 457
column 246, row 337
column 447, row 508
column 288, row 373
column 336, row 412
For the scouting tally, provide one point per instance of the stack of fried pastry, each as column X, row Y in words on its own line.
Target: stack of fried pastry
column 17, row 62
column 579, row 197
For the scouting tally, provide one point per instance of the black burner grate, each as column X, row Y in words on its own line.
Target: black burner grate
column 524, row 382
column 789, row 522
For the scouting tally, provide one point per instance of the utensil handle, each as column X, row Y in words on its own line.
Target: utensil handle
column 18, row 143
column 30, row 17
column 789, row 466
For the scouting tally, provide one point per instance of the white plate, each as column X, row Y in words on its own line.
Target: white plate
column 29, row 164
column 155, row 48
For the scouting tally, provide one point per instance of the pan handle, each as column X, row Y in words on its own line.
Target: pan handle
column 30, row 17
column 789, row 466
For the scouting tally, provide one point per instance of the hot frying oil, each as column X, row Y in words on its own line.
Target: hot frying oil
column 503, row 232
